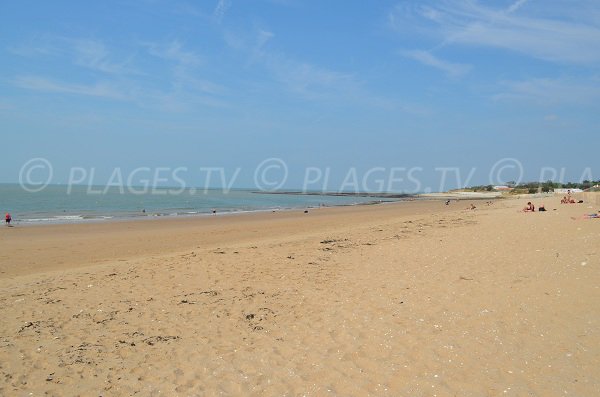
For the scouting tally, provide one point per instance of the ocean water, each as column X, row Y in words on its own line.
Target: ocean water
column 59, row 204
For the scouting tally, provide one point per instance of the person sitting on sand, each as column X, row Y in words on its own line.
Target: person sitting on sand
column 541, row 208
column 529, row 207
column 571, row 200
column 564, row 200
column 7, row 218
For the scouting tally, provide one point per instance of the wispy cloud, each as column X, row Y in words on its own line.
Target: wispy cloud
column 42, row 84
column 248, row 43
column 516, row 5
column 559, row 35
column 284, row 2
column 182, row 88
column 187, row 9
column 221, row 9
column 94, row 55
column 144, row 97
column 184, row 64
column 551, row 91
column 427, row 58
column 174, row 51
column 308, row 80
column 88, row 53
column 302, row 78
column 30, row 50
column 177, row 101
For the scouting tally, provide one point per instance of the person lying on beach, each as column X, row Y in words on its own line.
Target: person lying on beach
column 569, row 200
column 529, row 207
column 587, row 216
column 472, row 207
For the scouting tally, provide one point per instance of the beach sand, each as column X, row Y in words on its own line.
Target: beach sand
column 406, row 299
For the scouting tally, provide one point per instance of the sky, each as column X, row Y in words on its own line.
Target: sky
column 426, row 95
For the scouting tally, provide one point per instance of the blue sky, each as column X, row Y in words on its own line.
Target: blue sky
column 318, row 84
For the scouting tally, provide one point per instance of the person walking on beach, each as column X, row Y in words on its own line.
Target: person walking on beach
column 7, row 219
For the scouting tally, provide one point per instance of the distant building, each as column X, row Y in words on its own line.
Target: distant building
column 503, row 188
column 566, row 191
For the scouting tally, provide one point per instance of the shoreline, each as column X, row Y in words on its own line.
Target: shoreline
column 156, row 216
column 75, row 219
column 93, row 213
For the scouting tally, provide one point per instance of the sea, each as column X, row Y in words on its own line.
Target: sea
column 75, row 204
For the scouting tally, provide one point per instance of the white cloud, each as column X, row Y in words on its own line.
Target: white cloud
column 427, row 58
column 263, row 37
column 120, row 80
column 184, row 69
column 87, row 53
column 550, row 91
column 221, row 9
column 303, row 78
column 516, row 5
column 284, row 2
column 30, row 51
column 559, row 34
column 94, row 55
column 174, row 52
column 101, row 90
column 170, row 101
column 308, row 80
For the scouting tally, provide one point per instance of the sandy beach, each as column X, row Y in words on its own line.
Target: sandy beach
column 406, row 299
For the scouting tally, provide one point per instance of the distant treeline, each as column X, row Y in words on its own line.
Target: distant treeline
column 534, row 187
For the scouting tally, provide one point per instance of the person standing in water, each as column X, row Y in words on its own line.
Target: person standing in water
column 7, row 218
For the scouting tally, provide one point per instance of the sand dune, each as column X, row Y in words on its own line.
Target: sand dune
column 409, row 299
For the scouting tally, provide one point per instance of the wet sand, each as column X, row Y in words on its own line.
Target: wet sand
column 407, row 299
